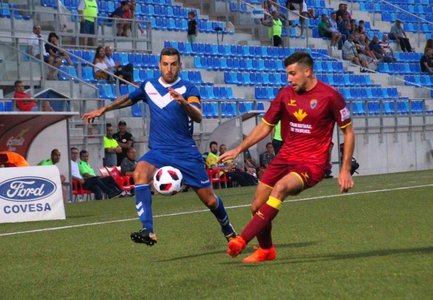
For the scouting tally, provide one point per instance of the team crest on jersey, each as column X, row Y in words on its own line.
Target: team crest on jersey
column 292, row 102
column 300, row 114
column 313, row 103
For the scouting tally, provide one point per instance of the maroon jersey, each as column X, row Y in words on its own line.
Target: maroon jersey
column 307, row 122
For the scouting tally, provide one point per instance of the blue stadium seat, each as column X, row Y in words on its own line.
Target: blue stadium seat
column 136, row 110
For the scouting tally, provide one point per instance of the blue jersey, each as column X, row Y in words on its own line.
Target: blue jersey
column 170, row 127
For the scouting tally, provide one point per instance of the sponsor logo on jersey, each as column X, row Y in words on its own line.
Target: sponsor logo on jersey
column 300, row 114
column 345, row 114
column 292, row 102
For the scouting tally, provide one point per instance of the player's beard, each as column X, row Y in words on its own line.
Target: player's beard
column 172, row 78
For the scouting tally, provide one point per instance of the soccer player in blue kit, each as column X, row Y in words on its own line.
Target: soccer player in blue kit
column 174, row 105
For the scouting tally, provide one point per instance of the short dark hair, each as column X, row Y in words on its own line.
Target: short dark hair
column 74, row 148
column 54, row 151
column 170, row 52
column 83, row 152
column 17, row 83
column 191, row 13
column 300, row 57
column 212, row 143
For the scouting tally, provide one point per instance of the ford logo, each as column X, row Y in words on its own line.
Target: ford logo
column 26, row 189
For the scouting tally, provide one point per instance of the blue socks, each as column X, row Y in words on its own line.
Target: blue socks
column 221, row 215
column 143, row 204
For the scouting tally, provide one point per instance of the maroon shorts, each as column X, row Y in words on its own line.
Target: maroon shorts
column 309, row 173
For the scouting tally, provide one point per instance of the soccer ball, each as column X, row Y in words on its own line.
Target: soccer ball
column 167, row 181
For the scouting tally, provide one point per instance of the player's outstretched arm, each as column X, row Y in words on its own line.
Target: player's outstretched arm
column 345, row 180
column 120, row 102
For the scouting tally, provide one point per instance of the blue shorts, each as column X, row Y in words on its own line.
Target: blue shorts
column 87, row 27
column 191, row 165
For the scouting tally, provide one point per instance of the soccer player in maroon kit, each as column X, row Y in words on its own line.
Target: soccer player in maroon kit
column 308, row 110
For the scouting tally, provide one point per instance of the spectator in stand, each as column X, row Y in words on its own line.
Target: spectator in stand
column 125, row 141
column 122, row 16
column 277, row 140
column 9, row 159
column 111, row 148
column 428, row 44
column 326, row 30
column 267, row 156
column 133, row 8
column 212, row 157
column 426, row 61
column 379, row 52
column 351, row 53
column 75, row 170
column 54, row 56
column 192, row 27
column 125, row 72
column 97, row 184
column 234, row 173
column 275, row 30
column 387, row 48
column 25, row 102
column 128, row 164
column 397, row 33
column 344, row 25
column 88, row 11
column 36, row 44
column 362, row 47
column 100, row 65
column 342, row 10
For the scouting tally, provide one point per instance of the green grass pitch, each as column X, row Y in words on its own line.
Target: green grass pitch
column 373, row 243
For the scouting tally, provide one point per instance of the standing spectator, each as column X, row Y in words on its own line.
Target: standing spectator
column 133, row 7
column 426, row 61
column 100, row 65
column 304, row 157
column 276, row 28
column 397, row 33
column 124, row 139
column 267, row 156
column 277, row 140
column 122, row 16
column 326, row 30
column 111, row 148
column 97, row 184
column 125, row 72
column 88, row 11
column 192, row 27
column 170, row 142
column 26, row 102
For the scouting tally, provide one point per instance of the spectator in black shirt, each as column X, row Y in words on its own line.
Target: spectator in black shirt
column 426, row 61
column 192, row 27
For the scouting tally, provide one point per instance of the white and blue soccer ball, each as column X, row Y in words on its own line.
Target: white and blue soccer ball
column 167, row 181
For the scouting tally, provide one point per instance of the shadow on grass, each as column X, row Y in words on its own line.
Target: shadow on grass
column 291, row 245
column 356, row 255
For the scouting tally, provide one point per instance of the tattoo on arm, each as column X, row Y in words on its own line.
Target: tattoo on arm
column 120, row 102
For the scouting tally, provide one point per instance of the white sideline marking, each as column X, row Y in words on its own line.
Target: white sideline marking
column 206, row 210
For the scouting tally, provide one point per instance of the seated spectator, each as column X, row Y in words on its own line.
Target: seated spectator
column 397, row 33
column 100, row 65
column 428, row 44
column 212, row 156
column 122, row 15
column 97, row 184
column 128, row 164
column 234, row 173
column 9, row 159
column 25, row 102
column 111, row 147
column 251, row 166
column 267, row 156
column 387, row 48
column 344, row 24
column 326, row 30
column 426, row 61
column 125, row 72
column 53, row 160
column 362, row 47
column 54, row 51
column 351, row 53
column 379, row 52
